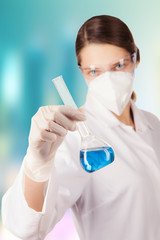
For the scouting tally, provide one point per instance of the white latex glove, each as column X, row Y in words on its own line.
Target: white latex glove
column 49, row 127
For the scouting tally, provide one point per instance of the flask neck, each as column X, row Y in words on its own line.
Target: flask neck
column 83, row 130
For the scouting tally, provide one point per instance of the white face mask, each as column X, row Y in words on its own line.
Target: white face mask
column 113, row 89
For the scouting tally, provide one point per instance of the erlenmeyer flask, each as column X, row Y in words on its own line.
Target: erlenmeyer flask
column 95, row 153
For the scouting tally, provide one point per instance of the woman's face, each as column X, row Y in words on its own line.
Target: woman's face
column 102, row 56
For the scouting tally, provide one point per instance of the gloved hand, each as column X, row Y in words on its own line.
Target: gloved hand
column 49, row 127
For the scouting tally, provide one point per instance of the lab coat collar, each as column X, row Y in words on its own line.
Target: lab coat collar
column 101, row 113
column 140, row 118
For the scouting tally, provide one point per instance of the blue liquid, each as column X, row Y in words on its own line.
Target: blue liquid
column 92, row 159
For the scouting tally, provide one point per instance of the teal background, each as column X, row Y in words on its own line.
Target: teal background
column 37, row 43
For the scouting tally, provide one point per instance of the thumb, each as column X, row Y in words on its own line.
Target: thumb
column 82, row 110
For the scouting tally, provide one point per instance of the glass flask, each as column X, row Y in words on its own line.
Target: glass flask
column 95, row 153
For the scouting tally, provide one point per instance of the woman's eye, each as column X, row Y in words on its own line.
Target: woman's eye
column 93, row 73
column 119, row 66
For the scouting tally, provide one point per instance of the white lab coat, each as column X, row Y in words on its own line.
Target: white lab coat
column 119, row 201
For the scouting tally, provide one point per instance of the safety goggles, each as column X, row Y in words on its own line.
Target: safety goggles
column 126, row 64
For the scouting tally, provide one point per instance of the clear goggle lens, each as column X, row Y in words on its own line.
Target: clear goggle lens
column 126, row 64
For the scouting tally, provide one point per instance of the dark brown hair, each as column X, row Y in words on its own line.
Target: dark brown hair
column 105, row 29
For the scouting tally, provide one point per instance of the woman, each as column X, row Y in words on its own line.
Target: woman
column 119, row 201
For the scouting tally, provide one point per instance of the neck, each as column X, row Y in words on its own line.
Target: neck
column 127, row 116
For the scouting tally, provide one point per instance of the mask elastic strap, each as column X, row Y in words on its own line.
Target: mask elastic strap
column 135, row 60
column 133, row 70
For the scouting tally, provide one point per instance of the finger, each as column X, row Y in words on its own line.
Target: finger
column 81, row 110
column 47, row 136
column 57, row 129
column 72, row 113
column 65, row 122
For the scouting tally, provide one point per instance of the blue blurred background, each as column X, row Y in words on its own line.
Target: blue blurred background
column 37, row 43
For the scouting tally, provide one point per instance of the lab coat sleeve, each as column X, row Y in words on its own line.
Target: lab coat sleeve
column 62, row 190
